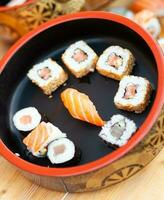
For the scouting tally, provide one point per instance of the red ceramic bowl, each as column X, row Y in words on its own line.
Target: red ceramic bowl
column 102, row 25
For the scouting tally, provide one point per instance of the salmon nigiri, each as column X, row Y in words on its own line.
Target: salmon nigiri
column 40, row 137
column 81, row 107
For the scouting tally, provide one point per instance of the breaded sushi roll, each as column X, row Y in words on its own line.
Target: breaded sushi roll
column 80, row 59
column 62, row 152
column 26, row 119
column 133, row 94
column 149, row 22
column 47, row 75
column 38, row 140
column 117, row 131
column 115, row 62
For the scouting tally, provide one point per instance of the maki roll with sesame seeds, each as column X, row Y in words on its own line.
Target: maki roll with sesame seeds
column 47, row 75
column 80, row 59
column 115, row 62
column 148, row 20
column 133, row 94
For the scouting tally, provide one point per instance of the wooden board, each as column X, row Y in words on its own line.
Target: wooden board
column 148, row 184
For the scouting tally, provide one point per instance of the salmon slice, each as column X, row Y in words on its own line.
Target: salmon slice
column 130, row 91
column 45, row 73
column 114, row 60
column 37, row 138
column 26, row 119
column 79, row 55
column 81, row 107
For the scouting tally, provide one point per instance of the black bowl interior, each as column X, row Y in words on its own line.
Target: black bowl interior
column 17, row 92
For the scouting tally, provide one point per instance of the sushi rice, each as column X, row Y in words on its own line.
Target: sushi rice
column 125, row 65
column 48, row 75
column 140, row 98
column 84, row 47
column 148, row 21
column 141, row 90
column 33, row 119
column 38, row 140
column 55, row 69
column 88, row 59
column 123, row 130
column 61, row 151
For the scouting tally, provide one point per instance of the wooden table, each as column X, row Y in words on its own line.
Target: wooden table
column 148, row 184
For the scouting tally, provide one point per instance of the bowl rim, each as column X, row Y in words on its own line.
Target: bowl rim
column 142, row 131
column 9, row 8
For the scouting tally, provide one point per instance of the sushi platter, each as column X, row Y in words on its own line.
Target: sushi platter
column 76, row 105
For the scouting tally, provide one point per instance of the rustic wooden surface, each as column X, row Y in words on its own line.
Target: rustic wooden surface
column 148, row 184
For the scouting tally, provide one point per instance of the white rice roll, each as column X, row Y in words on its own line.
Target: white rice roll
column 149, row 22
column 115, row 62
column 118, row 130
column 55, row 72
column 133, row 94
column 153, row 27
column 61, row 150
column 80, row 58
column 26, row 119
column 48, row 75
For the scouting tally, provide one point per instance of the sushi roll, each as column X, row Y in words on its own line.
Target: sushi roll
column 161, row 43
column 133, row 94
column 121, row 11
column 81, row 107
column 26, row 119
column 115, row 62
column 149, row 22
column 38, row 140
column 80, row 59
column 62, row 152
column 47, row 75
column 117, row 131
